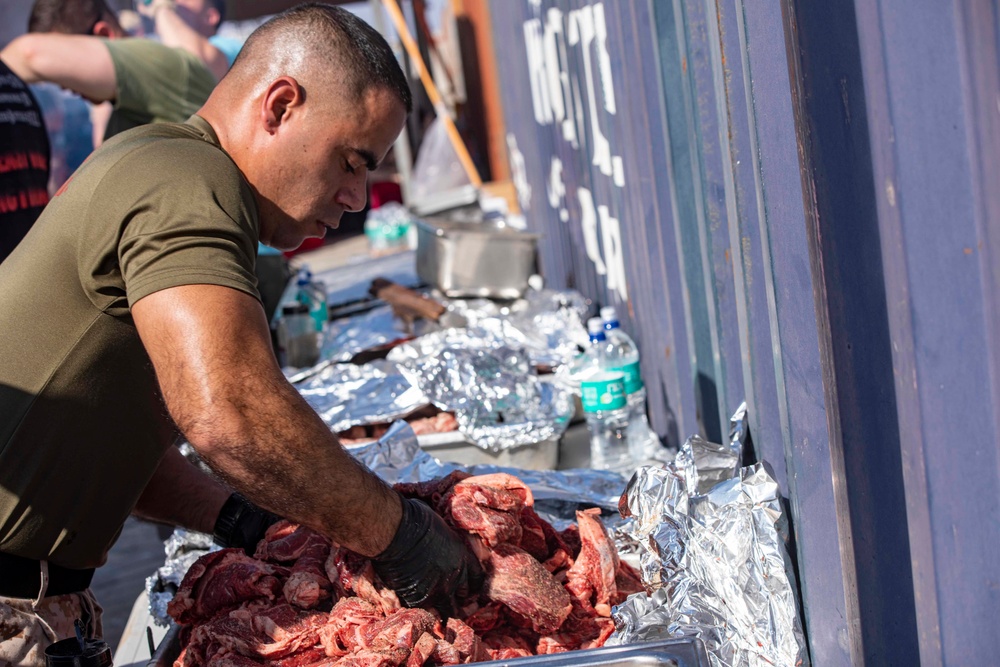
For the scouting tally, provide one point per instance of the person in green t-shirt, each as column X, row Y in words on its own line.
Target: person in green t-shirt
column 130, row 317
column 79, row 45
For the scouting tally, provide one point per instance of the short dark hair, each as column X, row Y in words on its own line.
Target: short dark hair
column 70, row 17
column 361, row 55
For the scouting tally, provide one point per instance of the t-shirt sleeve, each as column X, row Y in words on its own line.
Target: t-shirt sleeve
column 187, row 221
column 157, row 82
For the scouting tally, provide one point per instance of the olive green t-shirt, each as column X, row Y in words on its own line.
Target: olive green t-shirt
column 82, row 422
column 156, row 84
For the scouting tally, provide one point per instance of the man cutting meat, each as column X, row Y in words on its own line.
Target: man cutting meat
column 129, row 316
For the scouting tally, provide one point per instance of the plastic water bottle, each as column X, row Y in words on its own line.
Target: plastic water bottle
column 312, row 293
column 298, row 340
column 604, row 405
column 623, row 355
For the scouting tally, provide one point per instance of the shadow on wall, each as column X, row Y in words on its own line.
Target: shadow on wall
column 706, row 397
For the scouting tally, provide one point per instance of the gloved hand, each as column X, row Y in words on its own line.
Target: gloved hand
column 427, row 562
column 241, row 524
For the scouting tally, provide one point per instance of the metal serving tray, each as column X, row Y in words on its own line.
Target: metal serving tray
column 476, row 259
column 689, row 652
column 453, row 446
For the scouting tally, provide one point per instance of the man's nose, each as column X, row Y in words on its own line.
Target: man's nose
column 354, row 195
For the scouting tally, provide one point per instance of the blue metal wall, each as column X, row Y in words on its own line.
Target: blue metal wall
column 796, row 204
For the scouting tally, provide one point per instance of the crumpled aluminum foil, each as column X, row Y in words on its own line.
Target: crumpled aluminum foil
column 493, row 389
column 548, row 324
column 346, row 395
column 398, row 457
column 346, row 337
column 182, row 549
column 713, row 553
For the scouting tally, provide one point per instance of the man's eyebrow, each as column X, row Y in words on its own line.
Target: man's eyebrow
column 371, row 162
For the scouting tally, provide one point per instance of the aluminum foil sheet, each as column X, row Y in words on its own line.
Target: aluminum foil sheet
column 548, row 324
column 714, row 559
column 398, row 457
column 346, row 395
column 491, row 386
column 346, row 337
column 182, row 549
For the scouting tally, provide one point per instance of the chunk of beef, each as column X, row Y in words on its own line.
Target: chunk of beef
column 469, row 646
column 284, row 542
column 354, row 574
column 433, row 491
column 221, row 580
column 308, row 583
column 527, row 588
column 422, row 650
column 344, row 630
column 489, row 506
column 593, row 574
column 402, row 628
column 289, row 630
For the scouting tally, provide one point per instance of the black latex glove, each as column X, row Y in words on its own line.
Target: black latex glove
column 241, row 524
column 427, row 562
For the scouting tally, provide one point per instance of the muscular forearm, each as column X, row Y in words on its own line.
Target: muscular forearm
column 212, row 353
column 181, row 495
column 286, row 460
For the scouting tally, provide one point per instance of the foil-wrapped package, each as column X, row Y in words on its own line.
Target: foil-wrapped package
column 714, row 558
column 346, row 395
column 347, row 337
column 547, row 324
column 493, row 389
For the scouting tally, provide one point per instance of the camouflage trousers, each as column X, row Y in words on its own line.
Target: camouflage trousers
column 28, row 626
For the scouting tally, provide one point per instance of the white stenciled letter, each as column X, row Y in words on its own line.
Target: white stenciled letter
column 604, row 59
column 540, row 96
column 581, row 24
column 558, row 75
column 518, row 172
column 588, row 221
column 557, row 189
column 611, row 239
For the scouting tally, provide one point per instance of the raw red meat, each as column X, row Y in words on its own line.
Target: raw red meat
column 526, row 587
column 222, row 580
column 441, row 422
column 303, row 602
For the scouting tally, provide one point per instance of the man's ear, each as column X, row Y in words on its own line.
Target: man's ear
column 281, row 99
column 104, row 29
column 214, row 17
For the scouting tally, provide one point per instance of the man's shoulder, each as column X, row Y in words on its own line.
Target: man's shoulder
column 183, row 146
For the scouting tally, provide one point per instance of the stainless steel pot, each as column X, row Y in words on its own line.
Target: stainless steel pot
column 476, row 259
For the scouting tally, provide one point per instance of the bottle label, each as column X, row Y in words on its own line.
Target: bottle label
column 603, row 392
column 633, row 378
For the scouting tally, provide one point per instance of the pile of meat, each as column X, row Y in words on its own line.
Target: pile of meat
column 304, row 601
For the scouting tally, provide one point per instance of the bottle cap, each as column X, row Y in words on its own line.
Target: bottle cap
column 608, row 314
column 595, row 325
column 71, row 653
